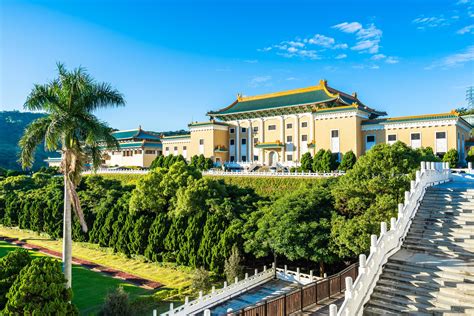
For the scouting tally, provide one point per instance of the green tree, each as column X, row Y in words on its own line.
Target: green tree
column 157, row 162
column 317, row 161
column 116, row 303
column 40, row 289
column 70, row 126
column 470, row 155
column 307, row 162
column 233, row 266
column 328, row 162
column 348, row 161
column 201, row 162
column 10, row 267
column 200, row 280
column 452, row 157
column 208, row 164
column 194, row 161
column 296, row 226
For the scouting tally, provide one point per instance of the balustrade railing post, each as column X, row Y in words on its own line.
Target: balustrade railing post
column 373, row 243
column 400, row 210
column 362, row 264
column 333, row 310
column 393, row 223
column 348, row 293
column 407, row 197
column 383, row 228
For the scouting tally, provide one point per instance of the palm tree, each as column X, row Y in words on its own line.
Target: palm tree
column 70, row 127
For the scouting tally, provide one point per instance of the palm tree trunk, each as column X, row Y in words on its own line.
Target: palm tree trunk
column 67, row 238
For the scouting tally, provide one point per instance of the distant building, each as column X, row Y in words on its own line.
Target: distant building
column 137, row 148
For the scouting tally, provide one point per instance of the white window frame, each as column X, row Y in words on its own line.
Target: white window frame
column 411, row 141
column 436, row 141
column 338, row 141
column 391, row 142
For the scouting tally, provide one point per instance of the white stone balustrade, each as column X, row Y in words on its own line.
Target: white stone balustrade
column 273, row 174
column 296, row 276
column 119, row 170
column 389, row 241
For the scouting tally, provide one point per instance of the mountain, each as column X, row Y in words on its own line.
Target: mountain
column 12, row 124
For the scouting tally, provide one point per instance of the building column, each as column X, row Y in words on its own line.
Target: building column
column 262, row 140
column 237, row 142
column 282, row 136
column 249, row 142
column 297, row 138
column 311, row 132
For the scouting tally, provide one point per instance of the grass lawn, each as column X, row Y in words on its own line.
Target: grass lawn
column 89, row 287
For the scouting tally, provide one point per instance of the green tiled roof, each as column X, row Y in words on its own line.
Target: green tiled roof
column 429, row 117
column 176, row 136
column 135, row 134
column 136, row 145
column 275, row 102
column 269, row 145
column 207, row 123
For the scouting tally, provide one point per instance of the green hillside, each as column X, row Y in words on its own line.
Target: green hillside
column 12, row 124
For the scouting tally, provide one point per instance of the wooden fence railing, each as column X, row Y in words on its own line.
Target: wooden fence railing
column 303, row 297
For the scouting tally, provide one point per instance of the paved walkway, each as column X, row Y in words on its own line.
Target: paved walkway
column 144, row 283
column 261, row 293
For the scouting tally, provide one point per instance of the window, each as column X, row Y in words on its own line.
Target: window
column 392, row 138
column 167, row 148
column 415, row 140
column 255, row 129
column 232, row 142
column 244, row 130
column 184, row 147
column 255, row 140
column 232, row 158
column 255, row 158
column 370, row 138
column 289, row 125
column 289, row 157
column 244, row 141
column 441, row 135
column 304, row 124
column 335, row 134
column 289, row 139
column 150, row 152
column 272, row 127
column 201, row 141
column 175, row 148
column 304, row 138
column 232, row 131
column 415, row 136
column 244, row 158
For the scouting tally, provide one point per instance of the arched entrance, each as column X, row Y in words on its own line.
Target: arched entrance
column 272, row 158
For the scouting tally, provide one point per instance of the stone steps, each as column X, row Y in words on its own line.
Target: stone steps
column 463, row 244
column 437, row 226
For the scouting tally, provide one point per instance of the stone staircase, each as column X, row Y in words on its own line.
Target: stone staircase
column 433, row 273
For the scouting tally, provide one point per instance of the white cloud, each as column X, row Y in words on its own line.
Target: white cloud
column 259, row 80
column 265, row 49
column 322, row 40
column 467, row 29
column 378, row 57
column 291, row 78
column 454, row 60
column 374, row 67
column 251, row 61
column 341, row 56
column 348, row 27
column 368, row 38
column 392, row 60
column 340, row 46
column 430, row 22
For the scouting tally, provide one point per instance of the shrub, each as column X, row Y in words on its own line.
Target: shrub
column 307, row 162
column 451, row 157
column 470, row 155
column 116, row 304
column 10, row 267
column 232, row 266
column 40, row 289
column 200, row 280
column 348, row 161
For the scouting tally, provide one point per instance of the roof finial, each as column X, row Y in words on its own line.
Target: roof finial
column 354, row 94
column 139, row 127
column 239, row 96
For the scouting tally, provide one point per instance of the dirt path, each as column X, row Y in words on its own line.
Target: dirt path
column 141, row 282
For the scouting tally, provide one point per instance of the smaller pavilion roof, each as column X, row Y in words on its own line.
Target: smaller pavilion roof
column 137, row 134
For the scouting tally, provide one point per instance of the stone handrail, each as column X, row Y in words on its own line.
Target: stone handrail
column 218, row 296
column 296, row 276
column 272, row 174
column 389, row 241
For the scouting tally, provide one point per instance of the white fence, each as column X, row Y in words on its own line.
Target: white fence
column 219, row 296
column 389, row 241
column 118, row 170
column 272, row 174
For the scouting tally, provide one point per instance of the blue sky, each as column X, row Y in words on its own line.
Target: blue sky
column 176, row 60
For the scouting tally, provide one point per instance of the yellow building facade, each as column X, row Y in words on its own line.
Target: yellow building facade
column 278, row 128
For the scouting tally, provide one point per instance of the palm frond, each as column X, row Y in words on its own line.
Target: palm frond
column 31, row 139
